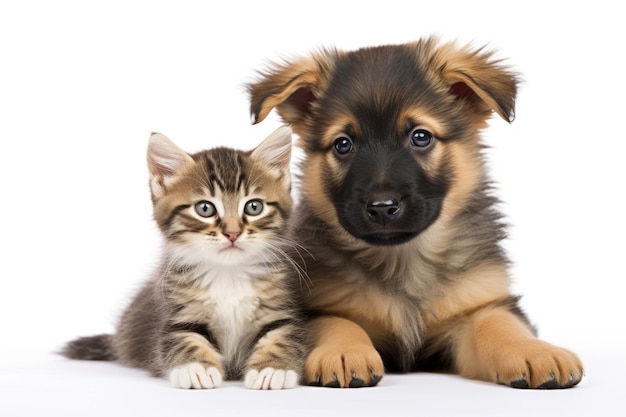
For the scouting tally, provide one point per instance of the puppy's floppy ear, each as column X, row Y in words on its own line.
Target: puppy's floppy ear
column 289, row 87
column 473, row 76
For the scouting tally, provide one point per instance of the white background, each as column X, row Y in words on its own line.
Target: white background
column 82, row 85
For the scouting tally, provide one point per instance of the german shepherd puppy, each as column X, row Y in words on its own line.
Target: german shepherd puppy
column 398, row 215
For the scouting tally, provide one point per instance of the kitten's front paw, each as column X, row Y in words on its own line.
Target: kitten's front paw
column 270, row 378
column 195, row 376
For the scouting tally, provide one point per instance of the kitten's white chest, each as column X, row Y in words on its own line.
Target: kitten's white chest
column 232, row 302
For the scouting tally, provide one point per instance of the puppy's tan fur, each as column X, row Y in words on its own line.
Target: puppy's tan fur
column 440, row 299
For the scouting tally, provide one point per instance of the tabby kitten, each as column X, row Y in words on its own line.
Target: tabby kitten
column 222, row 305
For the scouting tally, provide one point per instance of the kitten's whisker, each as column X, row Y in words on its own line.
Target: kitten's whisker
column 296, row 246
column 276, row 250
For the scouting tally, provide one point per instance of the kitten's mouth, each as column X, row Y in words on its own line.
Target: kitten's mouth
column 232, row 247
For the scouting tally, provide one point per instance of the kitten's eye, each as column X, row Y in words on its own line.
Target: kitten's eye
column 343, row 145
column 205, row 209
column 253, row 207
column 421, row 138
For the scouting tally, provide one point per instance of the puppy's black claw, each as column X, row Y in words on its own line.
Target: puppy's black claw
column 333, row 384
column 315, row 383
column 571, row 381
column 520, row 383
column 375, row 380
column 356, row 382
column 551, row 384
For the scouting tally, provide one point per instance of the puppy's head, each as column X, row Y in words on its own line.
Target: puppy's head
column 390, row 133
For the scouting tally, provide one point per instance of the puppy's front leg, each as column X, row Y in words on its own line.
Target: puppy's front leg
column 343, row 355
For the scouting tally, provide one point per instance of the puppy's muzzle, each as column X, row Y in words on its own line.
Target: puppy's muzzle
column 383, row 210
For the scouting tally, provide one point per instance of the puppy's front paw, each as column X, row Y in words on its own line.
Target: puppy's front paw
column 358, row 366
column 195, row 376
column 537, row 364
column 270, row 378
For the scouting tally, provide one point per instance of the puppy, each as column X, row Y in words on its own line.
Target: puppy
column 399, row 218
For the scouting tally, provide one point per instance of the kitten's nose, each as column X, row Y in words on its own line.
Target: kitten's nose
column 232, row 236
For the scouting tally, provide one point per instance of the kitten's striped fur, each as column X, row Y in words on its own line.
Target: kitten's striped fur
column 222, row 303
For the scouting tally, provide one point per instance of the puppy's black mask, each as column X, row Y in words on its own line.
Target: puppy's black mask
column 386, row 198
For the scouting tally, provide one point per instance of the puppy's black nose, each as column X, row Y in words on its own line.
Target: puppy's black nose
column 383, row 210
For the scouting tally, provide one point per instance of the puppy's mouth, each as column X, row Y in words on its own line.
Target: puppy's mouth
column 387, row 237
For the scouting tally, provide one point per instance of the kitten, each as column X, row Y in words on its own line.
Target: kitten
column 222, row 305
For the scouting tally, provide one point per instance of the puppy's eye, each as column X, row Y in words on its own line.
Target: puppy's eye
column 205, row 209
column 343, row 145
column 253, row 207
column 421, row 138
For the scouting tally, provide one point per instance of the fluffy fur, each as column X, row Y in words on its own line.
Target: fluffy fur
column 398, row 215
column 223, row 303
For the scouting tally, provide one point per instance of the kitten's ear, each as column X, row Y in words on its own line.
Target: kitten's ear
column 275, row 151
column 165, row 160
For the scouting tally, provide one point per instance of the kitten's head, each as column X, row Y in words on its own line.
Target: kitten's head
column 222, row 205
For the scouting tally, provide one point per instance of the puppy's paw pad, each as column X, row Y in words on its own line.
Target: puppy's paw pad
column 194, row 375
column 270, row 378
